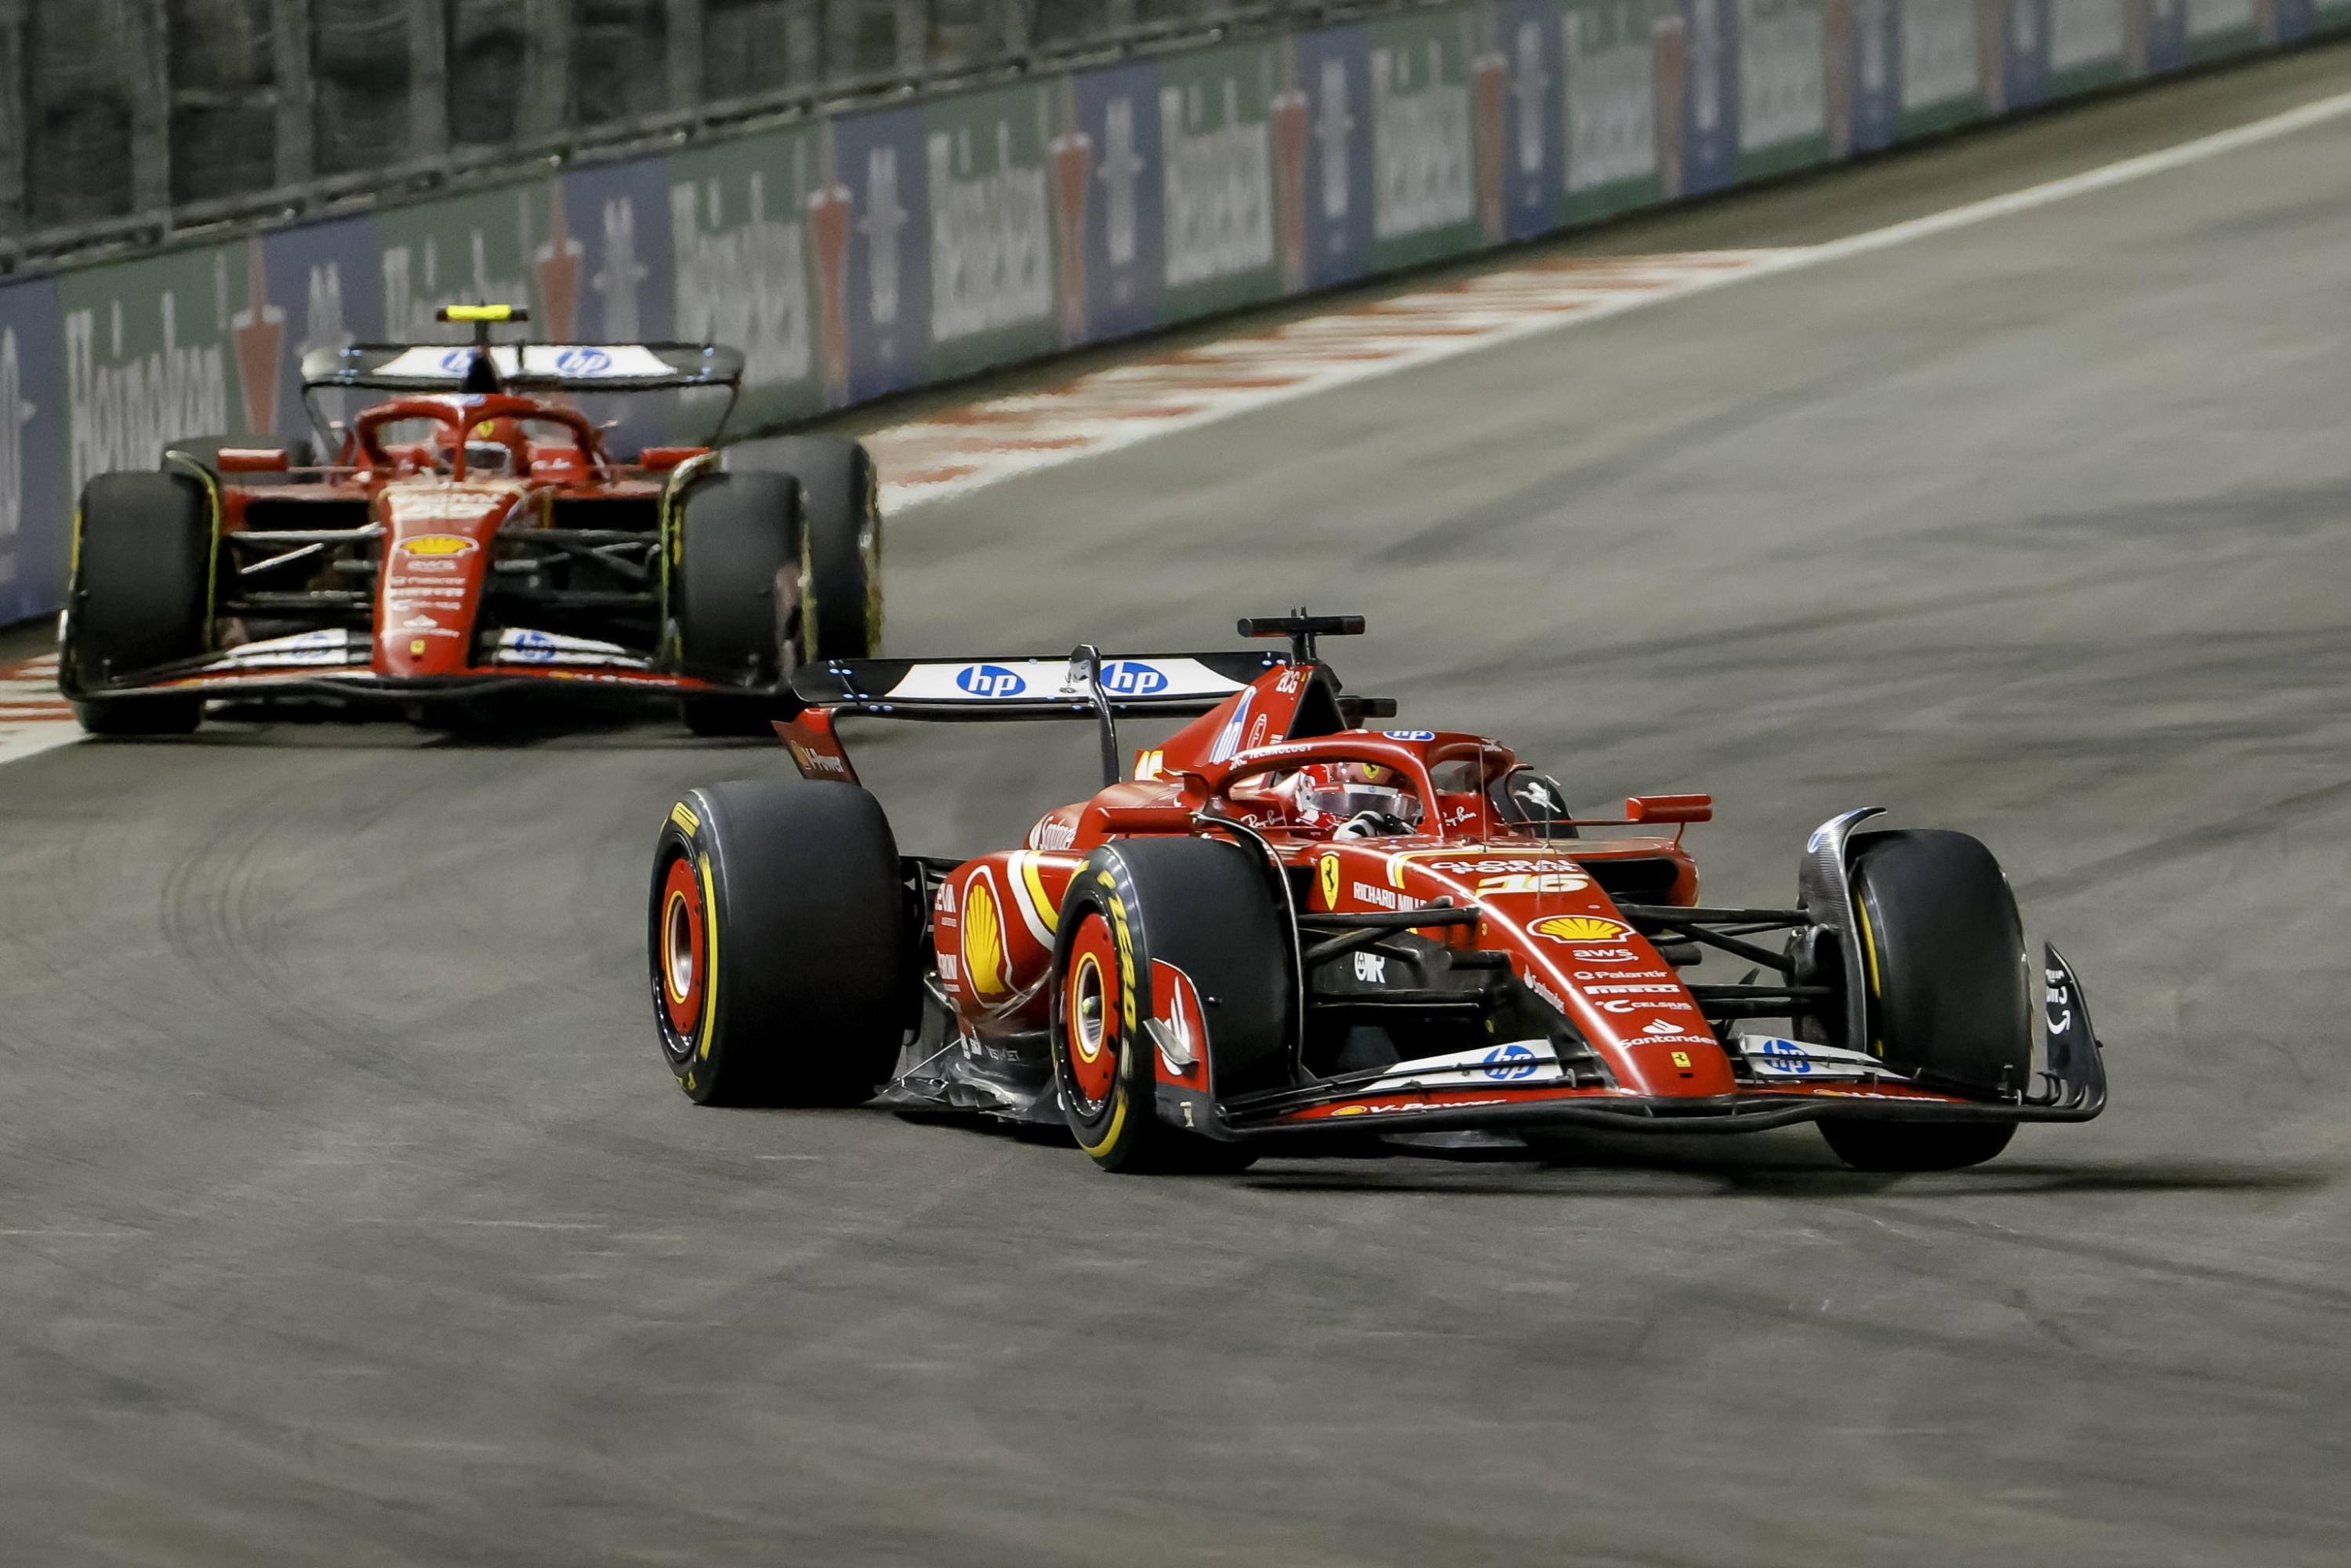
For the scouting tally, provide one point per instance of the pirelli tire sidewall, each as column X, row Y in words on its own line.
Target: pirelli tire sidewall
column 802, row 989
column 1205, row 908
column 1115, row 1129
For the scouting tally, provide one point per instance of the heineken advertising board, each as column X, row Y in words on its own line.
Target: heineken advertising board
column 862, row 253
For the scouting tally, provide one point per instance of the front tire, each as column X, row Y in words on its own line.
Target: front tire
column 776, row 937
column 1943, row 958
column 840, row 545
column 734, row 579
column 1915, row 1145
column 1137, row 907
column 140, row 598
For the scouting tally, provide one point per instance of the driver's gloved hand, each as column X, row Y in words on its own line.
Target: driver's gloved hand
column 1371, row 825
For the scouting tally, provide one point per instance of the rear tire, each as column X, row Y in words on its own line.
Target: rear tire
column 1204, row 907
column 777, row 940
column 841, row 531
column 1915, row 1145
column 139, row 599
column 734, row 579
column 1943, row 957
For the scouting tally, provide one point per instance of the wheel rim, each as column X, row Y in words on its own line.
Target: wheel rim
column 1090, row 1007
column 682, row 947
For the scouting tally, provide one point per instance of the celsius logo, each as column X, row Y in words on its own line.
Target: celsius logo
column 582, row 362
column 1132, row 678
column 990, row 681
column 1507, row 1062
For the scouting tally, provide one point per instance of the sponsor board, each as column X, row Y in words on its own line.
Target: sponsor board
column 855, row 255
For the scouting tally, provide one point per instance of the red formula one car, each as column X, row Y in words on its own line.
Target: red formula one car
column 474, row 536
column 1289, row 933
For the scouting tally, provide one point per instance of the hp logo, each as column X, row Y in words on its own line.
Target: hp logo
column 990, row 681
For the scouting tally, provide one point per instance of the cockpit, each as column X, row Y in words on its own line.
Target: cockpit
column 1486, row 790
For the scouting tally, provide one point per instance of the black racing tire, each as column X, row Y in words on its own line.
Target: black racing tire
column 206, row 450
column 140, row 598
column 1207, row 908
column 777, row 945
column 717, row 718
column 734, row 574
column 141, row 716
column 1915, row 1145
column 1943, row 958
column 840, row 535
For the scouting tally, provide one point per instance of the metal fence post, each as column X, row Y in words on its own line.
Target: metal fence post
column 289, row 59
column 546, row 68
column 147, row 82
column 428, row 78
column 684, row 53
column 15, row 124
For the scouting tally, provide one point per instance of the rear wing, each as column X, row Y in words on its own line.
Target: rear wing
column 1086, row 684
column 526, row 367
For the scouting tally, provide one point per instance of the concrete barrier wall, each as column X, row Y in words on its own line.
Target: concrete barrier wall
column 855, row 256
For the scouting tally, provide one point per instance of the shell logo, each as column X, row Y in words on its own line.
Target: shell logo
column 438, row 544
column 983, row 940
column 1582, row 928
column 1328, row 870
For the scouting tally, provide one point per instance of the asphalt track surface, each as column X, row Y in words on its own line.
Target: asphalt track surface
column 347, row 1214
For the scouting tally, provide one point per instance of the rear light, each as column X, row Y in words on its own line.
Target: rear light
column 660, row 459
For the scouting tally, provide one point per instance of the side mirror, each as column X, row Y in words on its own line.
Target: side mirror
column 1669, row 809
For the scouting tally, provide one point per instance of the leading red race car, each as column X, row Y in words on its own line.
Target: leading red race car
column 474, row 536
column 1287, row 933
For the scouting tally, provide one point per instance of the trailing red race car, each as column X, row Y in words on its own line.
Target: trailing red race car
column 1287, row 933
column 473, row 537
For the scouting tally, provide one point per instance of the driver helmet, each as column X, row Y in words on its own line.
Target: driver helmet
column 1328, row 793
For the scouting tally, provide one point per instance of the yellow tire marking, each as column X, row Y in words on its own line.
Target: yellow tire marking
column 709, row 961
column 684, row 818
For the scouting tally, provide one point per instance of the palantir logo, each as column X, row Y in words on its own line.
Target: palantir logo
column 1133, row 678
column 1505, row 1063
column 990, row 681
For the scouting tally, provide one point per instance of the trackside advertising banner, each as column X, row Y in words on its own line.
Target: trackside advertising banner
column 857, row 256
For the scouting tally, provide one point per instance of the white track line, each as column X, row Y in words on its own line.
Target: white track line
column 996, row 439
